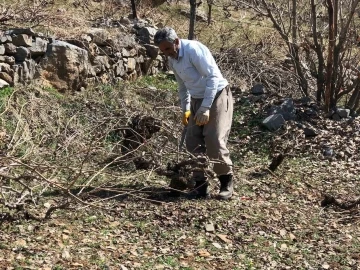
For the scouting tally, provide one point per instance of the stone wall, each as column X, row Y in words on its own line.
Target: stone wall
column 96, row 57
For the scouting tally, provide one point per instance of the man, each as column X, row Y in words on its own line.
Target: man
column 207, row 106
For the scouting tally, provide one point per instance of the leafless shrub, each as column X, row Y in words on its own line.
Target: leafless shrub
column 31, row 13
column 320, row 39
column 55, row 150
column 239, row 67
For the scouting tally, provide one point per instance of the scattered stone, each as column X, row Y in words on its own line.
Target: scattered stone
column 258, row 89
column 209, row 227
column 2, row 50
column 309, row 132
column 217, row 245
column 343, row 113
column 328, row 151
column 336, row 117
column 274, row 122
column 3, row 84
column 286, row 109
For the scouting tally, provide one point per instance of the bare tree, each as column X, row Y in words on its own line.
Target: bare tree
column 319, row 36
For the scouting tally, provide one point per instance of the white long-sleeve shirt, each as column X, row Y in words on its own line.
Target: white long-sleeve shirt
column 197, row 74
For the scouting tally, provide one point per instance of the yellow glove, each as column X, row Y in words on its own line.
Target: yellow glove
column 202, row 116
column 185, row 119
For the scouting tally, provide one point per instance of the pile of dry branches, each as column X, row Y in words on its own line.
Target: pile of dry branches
column 58, row 150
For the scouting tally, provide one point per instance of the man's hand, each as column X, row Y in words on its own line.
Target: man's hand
column 185, row 119
column 202, row 116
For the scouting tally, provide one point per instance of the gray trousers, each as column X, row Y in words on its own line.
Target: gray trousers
column 211, row 139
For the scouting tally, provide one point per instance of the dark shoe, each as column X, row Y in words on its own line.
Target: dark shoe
column 200, row 191
column 226, row 186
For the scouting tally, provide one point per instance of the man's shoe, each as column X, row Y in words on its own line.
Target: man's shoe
column 226, row 186
column 200, row 191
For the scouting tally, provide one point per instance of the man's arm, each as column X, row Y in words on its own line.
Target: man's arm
column 183, row 93
column 204, row 62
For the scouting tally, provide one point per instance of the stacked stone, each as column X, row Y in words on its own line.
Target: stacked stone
column 71, row 64
column 20, row 51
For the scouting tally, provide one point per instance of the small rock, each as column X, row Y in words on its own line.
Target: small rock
column 209, row 227
column 217, row 245
column 65, row 254
column 328, row 152
column 3, row 84
column 343, row 113
column 274, row 122
column 309, row 132
column 258, row 89
column 336, row 117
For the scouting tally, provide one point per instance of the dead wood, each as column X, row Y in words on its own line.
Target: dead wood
column 346, row 205
column 276, row 161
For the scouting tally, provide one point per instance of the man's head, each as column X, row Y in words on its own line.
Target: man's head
column 167, row 41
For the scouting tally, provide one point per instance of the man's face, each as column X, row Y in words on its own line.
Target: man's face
column 170, row 49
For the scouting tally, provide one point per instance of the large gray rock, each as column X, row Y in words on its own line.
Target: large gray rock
column 2, row 50
column 22, row 40
column 124, row 41
column 38, row 47
column 5, row 39
column 146, row 34
column 20, row 31
column 286, row 109
column 24, row 72
column 99, row 36
column 64, row 67
column 152, row 51
column 274, row 122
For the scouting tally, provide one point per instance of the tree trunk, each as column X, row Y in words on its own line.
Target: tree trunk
column 192, row 19
column 133, row 9
column 209, row 12
column 330, row 60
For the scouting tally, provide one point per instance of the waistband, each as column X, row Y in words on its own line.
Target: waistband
column 226, row 88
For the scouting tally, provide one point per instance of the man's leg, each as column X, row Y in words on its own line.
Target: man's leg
column 216, row 134
column 195, row 144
